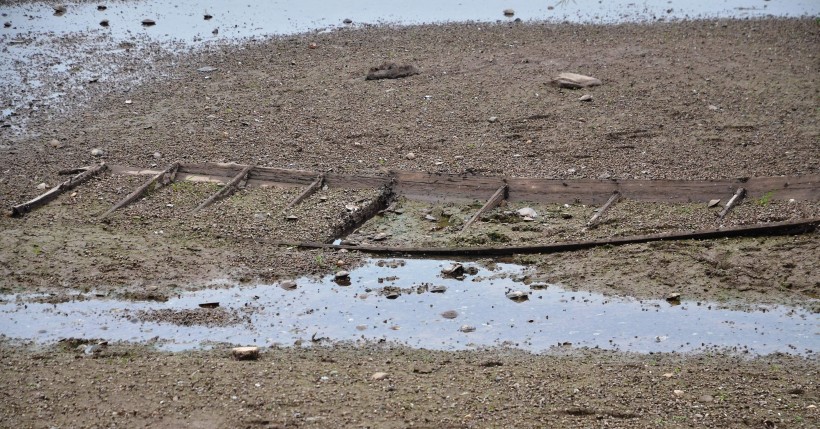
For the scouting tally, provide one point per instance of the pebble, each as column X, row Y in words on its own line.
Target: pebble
column 56, row 144
column 518, row 296
column 148, row 22
column 585, row 97
column 42, row 186
column 678, row 392
column 493, row 119
column 104, row 23
column 713, row 203
column 291, row 218
column 157, row 155
column 467, row 328
column 453, row 270
column 509, row 12
column 60, row 8
column 245, row 353
column 379, row 376
column 341, row 275
column 208, row 16
column 706, row 398
column 575, row 81
column 410, row 156
column 438, row 289
column 347, row 21
column 288, row 285
column 102, row 7
column 449, row 314
column 673, row 297
column 97, row 152
column 527, row 212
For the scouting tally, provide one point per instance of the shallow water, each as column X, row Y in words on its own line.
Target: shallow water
column 321, row 308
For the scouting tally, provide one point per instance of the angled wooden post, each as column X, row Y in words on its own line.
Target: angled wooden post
column 163, row 178
column 499, row 196
column 315, row 186
column 226, row 190
column 596, row 218
column 53, row 193
column 735, row 200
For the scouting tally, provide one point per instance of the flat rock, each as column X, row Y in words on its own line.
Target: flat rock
column 527, row 212
column 453, row 270
column 575, row 81
column 467, row 328
column 288, row 285
column 585, row 97
column 449, row 314
column 377, row 376
column 245, row 353
column 438, row 289
column 517, row 296
column 713, row 203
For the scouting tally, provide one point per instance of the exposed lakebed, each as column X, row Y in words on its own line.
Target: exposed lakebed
column 410, row 301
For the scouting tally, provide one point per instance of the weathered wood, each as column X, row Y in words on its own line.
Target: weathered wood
column 69, row 171
column 596, row 218
column 50, row 195
column 499, row 196
column 226, row 190
column 163, row 178
column 767, row 229
column 359, row 217
column 315, row 186
column 434, row 187
column 736, row 198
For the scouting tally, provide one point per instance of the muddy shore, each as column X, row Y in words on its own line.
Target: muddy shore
column 686, row 100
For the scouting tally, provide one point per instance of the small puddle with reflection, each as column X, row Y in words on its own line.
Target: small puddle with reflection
column 321, row 308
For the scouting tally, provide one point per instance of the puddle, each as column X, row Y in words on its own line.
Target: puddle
column 469, row 313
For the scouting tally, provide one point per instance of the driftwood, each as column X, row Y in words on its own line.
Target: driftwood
column 358, row 217
column 499, row 196
column 307, row 192
column 596, row 218
column 739, row 194
column 768, row 229
column 69, row 171
column 22, row 209
column 163, row 178
column 226, row 190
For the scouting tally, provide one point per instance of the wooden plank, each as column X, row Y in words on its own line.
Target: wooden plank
column 767, row 229
column 499, row 196
column 163, row 178
column 736, row 198
column 353, row 220
column 307, row 192
column 21, row 209
column 444, row 187
column 226, row 190
column 596, row 218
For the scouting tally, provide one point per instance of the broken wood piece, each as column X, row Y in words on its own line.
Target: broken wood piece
column 163, row 178
column 68, row 171
column 315, row 186
column 499, row 196
column 736, row 198
column 226, row 190
column 356, row 218
column 596, row 218
column 22, row 209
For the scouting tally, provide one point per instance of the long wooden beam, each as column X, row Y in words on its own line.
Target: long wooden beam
column 163, row 178
column 226, row 190
column 499, row 196
column 767, row 229
column 21, row 209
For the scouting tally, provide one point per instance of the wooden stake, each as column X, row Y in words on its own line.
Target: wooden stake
column 499, row 196
column 165, row 177
column 736, row 198
column 596, row 218
column 53, row 193
column 226, row 190
column 307, row 192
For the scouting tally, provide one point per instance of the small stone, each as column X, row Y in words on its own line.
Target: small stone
column 492, row 119
column 208, row 16
column 431, row 218
column 351, row 207
column 56, row 144
column 453, row 270
column 157, row 155
column 148, row 22
column 60, row 9
column 517, row 296
column 706, row 398
column 341, row 275
column 713, row 107
column 713, row 203
column 97, row 152
column 245, row 353
column 566, row 216
column 288, row 285
column 347, row 21
column 378, row 376
column 678, row 392
column 291, row 218
column 410, row 156
column 104, row 23
column 668, row 375
column 313, row 45
column 673, row 297
column 102, row 7
column 527, row 212
column 207, row 69
column 438, row 289
column 467, row 328
column 449, row 314
column 509, row 12
column 209, row 305
column 585, row 97
column 380, row 236
column 393, row 295
column 128, row 101
column 42, row 186
column 575, row 81
column 7, row 24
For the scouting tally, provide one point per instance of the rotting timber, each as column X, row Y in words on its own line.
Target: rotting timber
column 433, row 187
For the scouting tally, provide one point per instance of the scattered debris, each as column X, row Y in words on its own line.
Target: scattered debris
column 391, row 71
